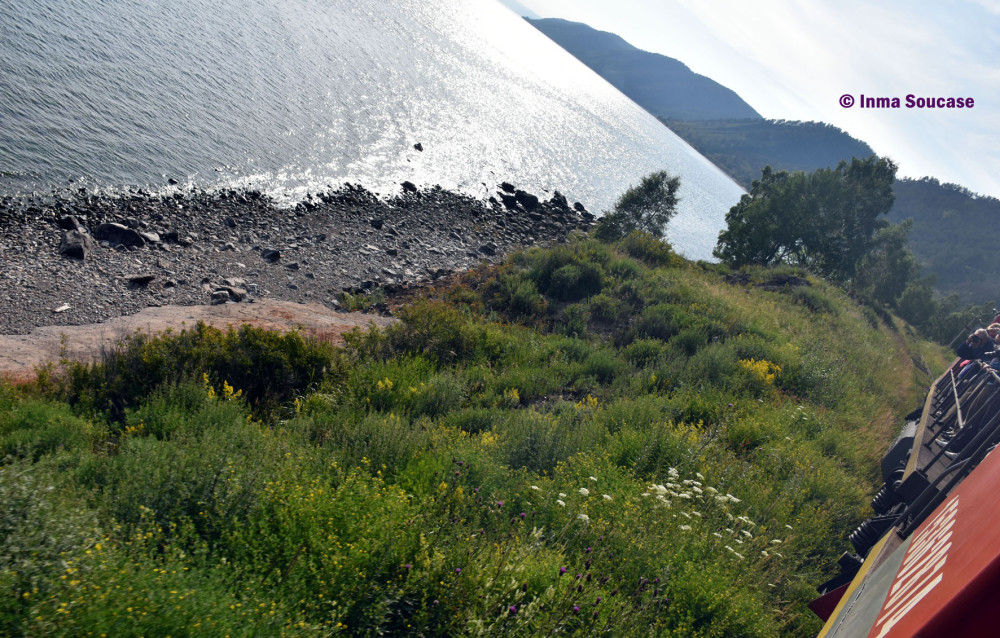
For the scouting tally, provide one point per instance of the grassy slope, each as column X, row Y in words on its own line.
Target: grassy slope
column 545, row 447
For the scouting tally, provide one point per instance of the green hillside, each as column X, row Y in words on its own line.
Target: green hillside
column 584, row 440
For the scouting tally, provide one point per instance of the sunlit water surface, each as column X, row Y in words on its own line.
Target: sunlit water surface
column 294, row 96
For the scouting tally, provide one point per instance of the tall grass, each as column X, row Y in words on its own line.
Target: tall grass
column 516, row 456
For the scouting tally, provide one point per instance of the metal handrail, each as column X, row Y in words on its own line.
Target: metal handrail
column 974, row 450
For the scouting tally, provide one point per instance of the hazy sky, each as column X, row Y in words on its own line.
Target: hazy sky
column 794, row 59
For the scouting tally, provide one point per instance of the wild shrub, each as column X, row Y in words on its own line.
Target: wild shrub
column 650, row 250
column 270, row 368
column 604, row 366
column 623, row 269
column 31, row 428
column 715, row 364
column 606, row 308
column 361, row 301
column 433, row 329
column 538, row 441
column 473, row 420
column 375, row 441
column 573, row 282
column 182, row 409
column 690, row 339
column 657, row 322
column 572, row 321
column 568, row 272
column 519, row 297
column 41, row 532
column 644, row 352
column 208, row 476
column 574, row 349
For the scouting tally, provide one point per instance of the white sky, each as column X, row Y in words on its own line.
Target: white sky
column 793, row 59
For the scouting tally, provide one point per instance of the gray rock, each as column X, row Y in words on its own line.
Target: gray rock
column 149, row 236
column 76, row 244
column 235, row 294
column 140, row 280
column 118, row 234
column 220, row 297
column 270, row 255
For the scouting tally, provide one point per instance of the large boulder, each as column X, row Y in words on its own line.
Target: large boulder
column 76, row 244
column 527, row 200
column 119, row 234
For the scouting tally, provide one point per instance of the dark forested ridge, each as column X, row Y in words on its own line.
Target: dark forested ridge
column 951, row 236
column 663, row 86
column 948, row 221
column 742, row 147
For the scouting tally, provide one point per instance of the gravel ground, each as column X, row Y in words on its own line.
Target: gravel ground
column 85, row 259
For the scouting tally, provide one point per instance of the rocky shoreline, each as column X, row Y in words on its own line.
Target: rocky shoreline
column 86, row 258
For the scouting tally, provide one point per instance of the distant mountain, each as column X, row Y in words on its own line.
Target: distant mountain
column 663, row 86
column 950, row 236
column 743, row 147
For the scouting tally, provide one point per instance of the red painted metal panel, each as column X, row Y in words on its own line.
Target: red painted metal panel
column 949, row 581
column 825, row 604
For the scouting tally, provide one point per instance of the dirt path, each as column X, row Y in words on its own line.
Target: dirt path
column 21, row 354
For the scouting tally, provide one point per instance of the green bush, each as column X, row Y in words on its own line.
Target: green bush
column 41, row 532
column 31, row 428
column 651, row 250
column 689, row 340
column 269, row 368
column 657, row 322
column 515, row 295
column 573, row 282
column 644, row 352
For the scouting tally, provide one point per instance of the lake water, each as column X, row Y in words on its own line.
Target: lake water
column 293, row 96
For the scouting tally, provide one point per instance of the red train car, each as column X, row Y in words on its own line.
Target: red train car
column 928, row 563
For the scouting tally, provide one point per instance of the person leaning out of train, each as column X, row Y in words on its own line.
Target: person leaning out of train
column 977, row 344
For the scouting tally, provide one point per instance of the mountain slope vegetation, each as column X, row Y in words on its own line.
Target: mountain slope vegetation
column 584, row 439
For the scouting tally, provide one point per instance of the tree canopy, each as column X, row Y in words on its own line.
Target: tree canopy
column 826, row 221
column 647, row 206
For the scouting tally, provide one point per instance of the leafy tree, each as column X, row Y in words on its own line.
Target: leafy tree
column 827, row 220
column 884, row 273
column 647, row 207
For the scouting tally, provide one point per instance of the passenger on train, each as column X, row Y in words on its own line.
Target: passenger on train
column 993, row 330
column 977, row 344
